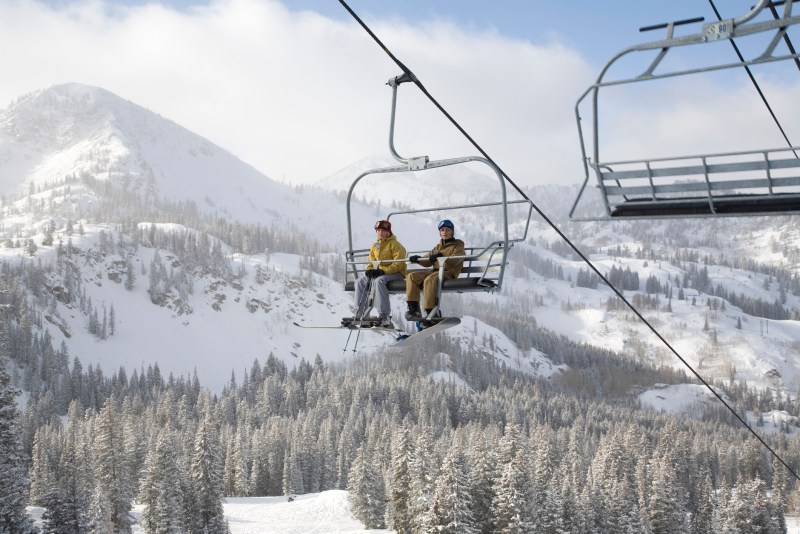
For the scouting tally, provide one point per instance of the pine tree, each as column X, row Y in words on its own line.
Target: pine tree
column 513, row 500
column 666, row 515
column 160, row 492
column 42, row 472
column 70, row 505
column 207, row 478
column 702, row 519
column 366, row 491
column 424, row 471
column 14, row 484
column 481, row 482
column 113, row 491
column 451, row 509
column 292, row 476
column 779, row 495
column 54, row 520
column 400, row 517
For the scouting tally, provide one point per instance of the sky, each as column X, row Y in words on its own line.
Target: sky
column 298, row 90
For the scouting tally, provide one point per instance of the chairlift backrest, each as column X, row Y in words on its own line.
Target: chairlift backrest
column 751, row 182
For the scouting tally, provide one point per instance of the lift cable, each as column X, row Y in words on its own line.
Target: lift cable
column 552, row 225
column 753, row 79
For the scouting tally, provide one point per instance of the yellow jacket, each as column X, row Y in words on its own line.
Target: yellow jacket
column 388, row 249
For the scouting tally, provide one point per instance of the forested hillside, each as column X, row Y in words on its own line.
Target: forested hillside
column 417, row 445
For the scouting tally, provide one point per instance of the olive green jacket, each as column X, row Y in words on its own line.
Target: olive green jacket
column 451, row 247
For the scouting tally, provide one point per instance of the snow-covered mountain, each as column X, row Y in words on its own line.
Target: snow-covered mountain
column 106, row 202
column 97, row 191
column 74, row 130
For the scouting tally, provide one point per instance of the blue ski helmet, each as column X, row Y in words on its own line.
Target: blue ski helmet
column 446, row 223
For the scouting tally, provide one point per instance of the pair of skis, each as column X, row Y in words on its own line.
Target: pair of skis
column 403, row 338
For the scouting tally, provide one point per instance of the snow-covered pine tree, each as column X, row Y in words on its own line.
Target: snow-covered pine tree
column 664, row 508
column 542, row 458
column 399, row 507
column 366, row 491
column 481, row 482
column 68, row 511
column 14, row 484
column 113, row 490
column 160, row 493
column 424, row 471
column 242, row 460
column 779, row 495
column 207, row 477
column 451, row 509
column 42, row 471
column 702, row 519
column 292, row 476
column 512, row 502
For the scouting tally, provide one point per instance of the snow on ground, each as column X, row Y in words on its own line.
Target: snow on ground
column 692, row 400
column 315, row 513
column 323, row 512
column 678, row 398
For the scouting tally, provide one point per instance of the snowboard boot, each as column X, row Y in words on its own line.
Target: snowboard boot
column 386, row 321
column 413, row 312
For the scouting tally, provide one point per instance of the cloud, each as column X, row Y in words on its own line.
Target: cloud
column 299, row 95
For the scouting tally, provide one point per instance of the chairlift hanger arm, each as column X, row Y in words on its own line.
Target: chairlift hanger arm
column 421, row 163
column 725, row 29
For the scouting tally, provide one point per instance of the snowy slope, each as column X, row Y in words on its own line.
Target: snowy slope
column 315, row 513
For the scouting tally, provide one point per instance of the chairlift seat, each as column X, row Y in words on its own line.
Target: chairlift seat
column 736, row 183
column 699, row 206
column 473, row 281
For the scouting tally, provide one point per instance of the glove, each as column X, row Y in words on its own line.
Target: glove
column 435, row 255
column 374, row 273
column 414, row 258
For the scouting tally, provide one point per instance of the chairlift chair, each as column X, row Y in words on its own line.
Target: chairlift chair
column 752, row 182
column 484, row 264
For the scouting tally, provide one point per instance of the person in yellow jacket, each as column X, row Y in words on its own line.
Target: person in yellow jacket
column 386, row 247
column 428, row 280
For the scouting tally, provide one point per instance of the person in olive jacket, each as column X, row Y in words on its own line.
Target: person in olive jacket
column 386, row 247
column 428, row 280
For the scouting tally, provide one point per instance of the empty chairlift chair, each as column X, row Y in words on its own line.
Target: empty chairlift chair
column 750, row 182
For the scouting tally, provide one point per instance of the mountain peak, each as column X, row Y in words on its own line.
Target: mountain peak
column 72, row 129
column 58, row 117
